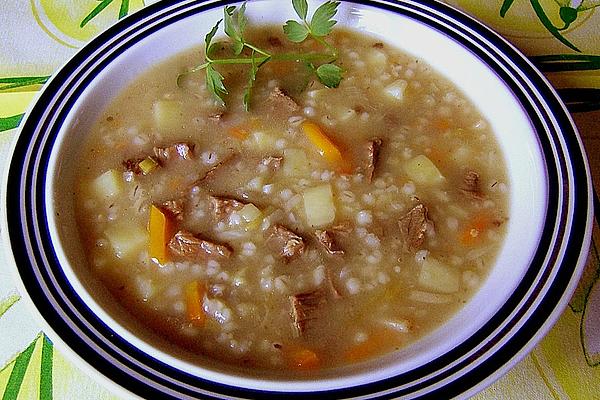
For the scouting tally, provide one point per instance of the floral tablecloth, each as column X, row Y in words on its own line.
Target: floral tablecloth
column 560, row 36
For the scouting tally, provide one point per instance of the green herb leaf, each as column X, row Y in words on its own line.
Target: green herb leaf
column 295, row 32
column 329, row 75
column 214, row 82
column 322, row 21
column 210, row 35
column 301, row 8
column 235, row 24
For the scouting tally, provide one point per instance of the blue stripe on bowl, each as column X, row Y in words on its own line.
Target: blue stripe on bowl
column 470, row 363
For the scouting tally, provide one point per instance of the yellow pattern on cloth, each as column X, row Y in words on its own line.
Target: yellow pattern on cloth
column 39, row 35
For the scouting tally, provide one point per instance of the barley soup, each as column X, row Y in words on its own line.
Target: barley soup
column 322, row 227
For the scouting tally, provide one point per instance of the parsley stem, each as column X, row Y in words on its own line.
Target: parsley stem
column 274, row 57
column 334, row 52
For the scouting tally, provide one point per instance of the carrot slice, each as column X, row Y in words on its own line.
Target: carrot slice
column 377, row 343
column 303, row 358
column 161, row 230
column 472, row 233
column 194, row 296
column 326, row 148
column 238, row 132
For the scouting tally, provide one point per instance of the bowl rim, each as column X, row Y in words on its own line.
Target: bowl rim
column 556, row 122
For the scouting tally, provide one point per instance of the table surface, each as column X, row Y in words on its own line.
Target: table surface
column 36, row 37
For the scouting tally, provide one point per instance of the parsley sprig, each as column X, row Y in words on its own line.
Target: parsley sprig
column 244, row 52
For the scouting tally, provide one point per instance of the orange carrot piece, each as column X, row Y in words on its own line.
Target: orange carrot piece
column 239, row 132
column 471, row 234
column 377, row 343
column 441, row 124
column 303, row 358
column 326, row 148
column 194, row 296
column 160, row 230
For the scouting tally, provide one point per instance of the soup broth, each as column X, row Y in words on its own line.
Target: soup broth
column 323, row 227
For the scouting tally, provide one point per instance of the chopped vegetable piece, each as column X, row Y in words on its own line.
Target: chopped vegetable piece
column 295, row 162
column 376, row 343
column 167, row 115
column 260, row 141
column 147, row 165
column 304, row 359
column 126, row 240
column 194, row 297
column 109, row 184
column 438, row 277
column 250, row 214
column 326, row 148
column 422, row 170
column 472, row 233
column 161, row 230
column 239, row 133
column 319, row 206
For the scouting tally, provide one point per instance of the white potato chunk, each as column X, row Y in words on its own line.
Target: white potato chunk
column 319, row 206
column 126, row 240
column 438, row 277
column 421, row 169
column 250, row 213
column 260, row 141
column 109, row 184
column 295, row 163
column 396, row 90
column 167, row 114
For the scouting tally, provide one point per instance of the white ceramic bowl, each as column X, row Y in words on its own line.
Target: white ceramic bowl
column 537, row 269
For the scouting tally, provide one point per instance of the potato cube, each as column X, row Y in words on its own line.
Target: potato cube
column 250, row 213
column 438, row 277
column 260, row 141
column 319, row 206
column 109, row 184
column 127, row 240
column 422, row 170
column 295, row 163
column 168, row 115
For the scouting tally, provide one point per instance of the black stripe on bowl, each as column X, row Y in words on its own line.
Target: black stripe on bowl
column 531, row 308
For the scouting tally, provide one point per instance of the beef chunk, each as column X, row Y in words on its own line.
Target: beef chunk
column 471, row 185
column 413, row 226
column 274, row 41
column 271, row 162
column 373, row 148
column 280, row 99
column 222, row 207
column 327, row 240
column 186, row 245
column 174, row 207
column 304, row 306
column 183, row 151
column 286, row 242
column 209, row 174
